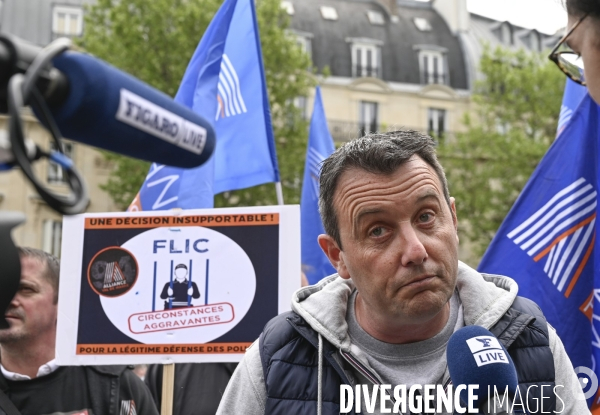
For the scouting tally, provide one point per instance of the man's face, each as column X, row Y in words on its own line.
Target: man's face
column 399, row 238
column 180, row 274
column 32, row 312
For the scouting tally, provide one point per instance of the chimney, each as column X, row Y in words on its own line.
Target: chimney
column 455, row 13
column 390, row 6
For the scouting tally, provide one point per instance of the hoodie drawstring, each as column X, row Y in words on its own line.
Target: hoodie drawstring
column 320, row 377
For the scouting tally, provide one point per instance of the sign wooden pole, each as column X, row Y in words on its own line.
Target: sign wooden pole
column 168, row 386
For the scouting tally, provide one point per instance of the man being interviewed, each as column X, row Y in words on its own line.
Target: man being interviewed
column 398, row 295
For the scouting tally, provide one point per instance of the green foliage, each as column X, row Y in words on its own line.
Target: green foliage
column 154, row 40
column 516, row 112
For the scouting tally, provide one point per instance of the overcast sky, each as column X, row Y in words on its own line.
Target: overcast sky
column 547, row 16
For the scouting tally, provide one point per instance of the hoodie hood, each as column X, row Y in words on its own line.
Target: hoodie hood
column 324, row 305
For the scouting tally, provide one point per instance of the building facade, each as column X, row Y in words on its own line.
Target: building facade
column 388, row 64
column 40, row 22
column 391, row 65
column 399, row 63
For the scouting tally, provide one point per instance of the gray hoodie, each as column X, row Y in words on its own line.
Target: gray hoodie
column 485, row 299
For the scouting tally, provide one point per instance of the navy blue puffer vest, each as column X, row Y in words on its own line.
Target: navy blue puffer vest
column 289, row 354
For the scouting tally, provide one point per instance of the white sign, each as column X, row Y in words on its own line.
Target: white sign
column 187, row 286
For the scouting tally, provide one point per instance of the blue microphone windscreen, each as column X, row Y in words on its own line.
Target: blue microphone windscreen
column 476, row 357
column 110, row 109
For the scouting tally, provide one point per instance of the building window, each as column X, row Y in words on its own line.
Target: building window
column 52, row 237
column 422, row 24
column 433, row 68
column 376, row 18
column 300, row 103
column 56, row 174
column 368, row 117
column 365, row 60
column 506, row 35
column 288, row 6
column 305, row 44
column 535, row 42
column 436, row 123
column 329, row 13
column 67, row 21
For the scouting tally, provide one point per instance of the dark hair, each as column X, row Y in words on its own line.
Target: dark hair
column 181, row 266
column 583, row 7
column 51, row 263
column 375, row 153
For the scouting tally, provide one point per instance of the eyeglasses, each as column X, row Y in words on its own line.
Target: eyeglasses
column 566, row 59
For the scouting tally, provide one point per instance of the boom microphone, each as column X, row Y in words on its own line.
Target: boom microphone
column 476, row 357
column 110, row 109
column 95, row 103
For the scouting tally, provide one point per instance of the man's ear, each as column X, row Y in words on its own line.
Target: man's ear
column 454, row 217
column 335, row 254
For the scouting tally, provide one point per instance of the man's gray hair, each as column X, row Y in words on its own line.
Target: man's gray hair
column 51, row 263
column 374, row 153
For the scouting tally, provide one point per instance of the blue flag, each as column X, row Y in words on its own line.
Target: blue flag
column 225, row 83
column 547, row 241
column 315, row 264
column 574, row 94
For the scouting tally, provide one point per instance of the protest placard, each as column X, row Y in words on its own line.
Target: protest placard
column 174, row 286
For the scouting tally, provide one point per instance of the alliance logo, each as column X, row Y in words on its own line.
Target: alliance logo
column 112, row 272
column 314, row 162
column 561, row 233
column 230, row 97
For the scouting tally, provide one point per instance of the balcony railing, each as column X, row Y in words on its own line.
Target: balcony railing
column 342, row 131
column 428, row 78
column 347, row 130
column 368, row 70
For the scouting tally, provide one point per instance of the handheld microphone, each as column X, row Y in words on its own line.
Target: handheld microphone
column 476, row 357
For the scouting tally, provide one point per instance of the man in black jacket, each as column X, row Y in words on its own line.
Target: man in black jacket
column 30, row 377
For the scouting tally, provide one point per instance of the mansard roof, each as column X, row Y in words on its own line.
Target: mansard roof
column 485, row 31
column 399, row 37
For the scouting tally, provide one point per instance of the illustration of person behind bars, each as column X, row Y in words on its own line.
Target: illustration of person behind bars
column 179, row 292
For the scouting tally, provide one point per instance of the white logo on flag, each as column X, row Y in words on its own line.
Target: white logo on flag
column 565, row 116
column 229, row 97
column 562, row 232
column 314, row 165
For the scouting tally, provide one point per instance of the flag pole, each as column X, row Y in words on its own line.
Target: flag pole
column 279, row 191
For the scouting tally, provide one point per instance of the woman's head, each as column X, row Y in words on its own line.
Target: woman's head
column 585, row 40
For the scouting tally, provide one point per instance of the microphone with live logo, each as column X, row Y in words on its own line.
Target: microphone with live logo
column 476, row 357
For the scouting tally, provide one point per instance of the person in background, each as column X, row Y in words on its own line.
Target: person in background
column 580, row 47
column 30, row 377
column 140, row 370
